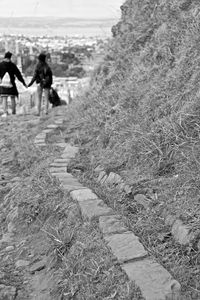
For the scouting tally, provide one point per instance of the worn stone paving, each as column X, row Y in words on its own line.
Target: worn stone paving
column 155, row 282
column 182, row 233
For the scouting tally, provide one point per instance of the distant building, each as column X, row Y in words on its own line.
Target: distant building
column 56, row 58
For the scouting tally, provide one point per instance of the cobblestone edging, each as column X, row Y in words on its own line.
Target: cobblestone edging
column 154, row 281
column 182, row 233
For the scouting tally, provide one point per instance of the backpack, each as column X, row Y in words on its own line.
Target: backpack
column 54, row 99
column 5, row 81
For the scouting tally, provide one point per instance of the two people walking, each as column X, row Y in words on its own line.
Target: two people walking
column 9, row 72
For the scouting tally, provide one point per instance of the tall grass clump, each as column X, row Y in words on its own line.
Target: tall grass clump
column 142, row 110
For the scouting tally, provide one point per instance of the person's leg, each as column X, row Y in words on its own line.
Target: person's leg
column 13, row 104
column 46, row 99
column 5, row 104
column 39, row 100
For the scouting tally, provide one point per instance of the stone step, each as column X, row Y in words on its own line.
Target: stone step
column 154, row 281
column 52, row 126
column 126, row 246
column 57, row 169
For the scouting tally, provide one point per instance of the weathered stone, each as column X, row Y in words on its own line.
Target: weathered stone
column 59, row 164
column 198, row 245
column 101, row 175
column 9, row 248
column 62, row 176
column 4, row 182
column 142, row 200
column 7, row 237
column 83, row 195
column 7, row 292
column 182, row 233
column 47, row 131
column 126, row 246
column 154, row 281
column 40, row 136
column 41, row 144
column 22, row 263
column 70, row 181
column 95, row 208
column 15, row 179
column 170, row 219
column 127, row 189
column 98, row 169
column 38, row 143
column 37, row 138
column 11, row 227
column 52, row 126
column 7, row 161
column 61, row 160
column 111, row 225
column 118, row 179
column 70, row 148
column 62, row 145
column 110, row 179
column 58, row 122
column 103, row 180
column 6, row 176
column 73, row 186
column 121, row 186
column 38, row 266
column 58, row 169
column 70, row 151
column 67, row 156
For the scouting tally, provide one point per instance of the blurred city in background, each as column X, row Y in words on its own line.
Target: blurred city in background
column 74, row 48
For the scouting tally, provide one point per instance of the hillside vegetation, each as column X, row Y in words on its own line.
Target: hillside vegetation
column 141, row 115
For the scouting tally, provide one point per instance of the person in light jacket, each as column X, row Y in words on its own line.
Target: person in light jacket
column 8, row 73
column 44, row 79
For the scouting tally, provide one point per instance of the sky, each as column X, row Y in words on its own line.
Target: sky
column 61, row 8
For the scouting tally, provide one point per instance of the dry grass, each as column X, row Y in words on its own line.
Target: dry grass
column 141, row 117
column 87, row 268
column 181, row 261
column 51, row 223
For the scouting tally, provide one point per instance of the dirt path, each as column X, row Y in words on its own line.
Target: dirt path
column 23, row 246
column 47, row 250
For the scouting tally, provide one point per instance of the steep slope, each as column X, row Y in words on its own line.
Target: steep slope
column 142, row 111
column 141, row 116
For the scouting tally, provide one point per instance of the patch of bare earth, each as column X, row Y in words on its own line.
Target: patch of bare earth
column 47, row 251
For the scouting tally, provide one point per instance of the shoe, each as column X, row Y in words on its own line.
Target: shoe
column 4, row 115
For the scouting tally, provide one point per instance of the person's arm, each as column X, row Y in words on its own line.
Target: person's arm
column 35, row 75
column 19, row 76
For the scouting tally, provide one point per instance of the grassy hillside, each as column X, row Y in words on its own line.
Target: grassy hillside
column 141, row 116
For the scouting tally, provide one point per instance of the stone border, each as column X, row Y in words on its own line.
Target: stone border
column 155, row 282
column 40, row 139
column 182, row 233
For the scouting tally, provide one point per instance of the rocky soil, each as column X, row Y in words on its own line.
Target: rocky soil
column 46, row 250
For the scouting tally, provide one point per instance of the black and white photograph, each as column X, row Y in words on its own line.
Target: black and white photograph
column 100, row 150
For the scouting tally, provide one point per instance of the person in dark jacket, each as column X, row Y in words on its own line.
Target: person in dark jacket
column 44, row 79
column 8, row 72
